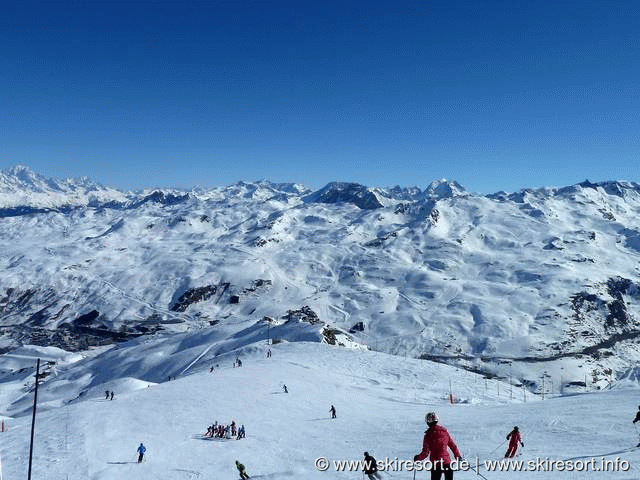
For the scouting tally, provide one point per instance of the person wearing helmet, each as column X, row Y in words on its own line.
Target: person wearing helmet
column 371, row 467
column 434, row 445
column 514, row 438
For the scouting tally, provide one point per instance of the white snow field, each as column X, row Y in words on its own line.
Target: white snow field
column 380, row 399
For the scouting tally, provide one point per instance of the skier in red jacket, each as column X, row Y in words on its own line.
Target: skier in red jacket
column 514, row 438
column 435, row 444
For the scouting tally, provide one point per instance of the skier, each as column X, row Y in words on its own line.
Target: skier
column 371, row 467
column 637, row 419
column 332, row 410
column 435, row 443
column 243, row 472
column 241, row 433
column 285, row 389
column 106, row 394
column 141, row 450
column 515, row 438
column 269, row 353
column 637, row 415
column 111, row 395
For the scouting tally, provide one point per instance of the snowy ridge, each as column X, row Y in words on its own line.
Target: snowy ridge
column 541, row 280
column 22, row 187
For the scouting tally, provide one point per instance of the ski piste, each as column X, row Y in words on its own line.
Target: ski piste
column 287, row 432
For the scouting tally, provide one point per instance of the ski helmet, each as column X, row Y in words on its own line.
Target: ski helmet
column 366, row 454
column 431, row 417
column 515, row 428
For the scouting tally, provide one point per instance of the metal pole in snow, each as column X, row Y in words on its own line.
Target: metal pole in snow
column 33, row 419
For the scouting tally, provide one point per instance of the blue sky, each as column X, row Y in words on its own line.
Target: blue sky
column 498, row 95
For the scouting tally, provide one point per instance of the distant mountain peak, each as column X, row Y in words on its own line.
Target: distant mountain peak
column 346, row 192
column 21, row 186
column 444, row 188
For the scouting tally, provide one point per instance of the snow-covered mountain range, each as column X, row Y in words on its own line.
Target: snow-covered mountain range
column 511, row 284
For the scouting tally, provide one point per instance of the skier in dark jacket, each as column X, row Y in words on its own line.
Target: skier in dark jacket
column 434, row 445
column 637, row 419
column 514, row 438
column 106, row 394
column 141, row 450
column 371, row 467
column 243, row 472
column 332, row 410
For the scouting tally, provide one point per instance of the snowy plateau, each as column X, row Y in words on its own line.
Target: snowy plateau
column 492, row 310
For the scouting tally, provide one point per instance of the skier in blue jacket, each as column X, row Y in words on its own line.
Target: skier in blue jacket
column 141, row 450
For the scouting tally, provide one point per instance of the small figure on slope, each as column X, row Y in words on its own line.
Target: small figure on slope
column 332, row 410
column 435, row 443
column 241, row 433
column 243, row 472
column 284, row 387
column 637, row 419
column 141, row 450
column 371, row 467
column 106, row 394
column 514, row 438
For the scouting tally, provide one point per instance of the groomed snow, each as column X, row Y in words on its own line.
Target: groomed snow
column 380, row 399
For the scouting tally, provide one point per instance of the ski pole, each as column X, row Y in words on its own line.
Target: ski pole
column 504, row 441
column 481, row 475
column 414, row 475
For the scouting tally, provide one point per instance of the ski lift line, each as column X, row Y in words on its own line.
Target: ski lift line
column 145, row 303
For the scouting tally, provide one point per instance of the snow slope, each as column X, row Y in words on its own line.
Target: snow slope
column 542, row 280
column 380, row 400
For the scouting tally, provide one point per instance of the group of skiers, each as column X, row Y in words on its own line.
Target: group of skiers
column 437, row 442
column 225, row 431
column 435, row 445
column 108, row 395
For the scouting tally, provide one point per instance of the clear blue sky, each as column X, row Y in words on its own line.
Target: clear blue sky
column 498, row 95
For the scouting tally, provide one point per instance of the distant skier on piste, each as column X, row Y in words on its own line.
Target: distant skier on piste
column 141, row 450
column 434, row 445
column 371, row 467
column 332, row 410
column 243, row 472
column 286, row 390
column 637, row 419
column 514, row 438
